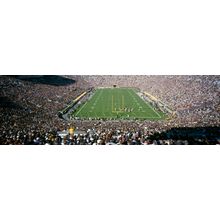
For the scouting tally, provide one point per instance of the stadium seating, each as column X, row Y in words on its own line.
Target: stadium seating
column 29, row 109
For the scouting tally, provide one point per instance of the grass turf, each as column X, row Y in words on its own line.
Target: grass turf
column 113, row 103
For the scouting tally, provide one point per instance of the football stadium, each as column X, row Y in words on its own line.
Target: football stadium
column 110, row 109
column 121, row 103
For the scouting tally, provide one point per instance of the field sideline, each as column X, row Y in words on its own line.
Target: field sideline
column 113, row 103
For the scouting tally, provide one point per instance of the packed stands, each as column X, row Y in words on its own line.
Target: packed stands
column 29, row 109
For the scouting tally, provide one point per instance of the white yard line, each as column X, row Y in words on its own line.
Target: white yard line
column 148, row 106
column 132, row 95
column 81, row 109
column 87, row 103
column 153, row 109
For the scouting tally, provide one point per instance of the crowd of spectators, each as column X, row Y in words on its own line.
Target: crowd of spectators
column 194, row 98
column 28, row 107
column 28, row 111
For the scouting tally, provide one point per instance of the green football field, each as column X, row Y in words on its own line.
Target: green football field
column 113, row 103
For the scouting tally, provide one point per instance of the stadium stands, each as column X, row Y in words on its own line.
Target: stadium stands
column 29, row 110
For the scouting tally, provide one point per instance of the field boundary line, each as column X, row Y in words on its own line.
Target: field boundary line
column 82, row 107
column 150, row 107
column 153, row 109
column 117, row 104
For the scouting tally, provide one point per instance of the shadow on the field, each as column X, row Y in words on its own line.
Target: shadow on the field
column 5, row 102
column 47, row 79
column 198, row 135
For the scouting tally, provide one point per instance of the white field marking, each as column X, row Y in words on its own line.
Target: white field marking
column 148, row 106
column 87, row 103
column 81, row 108
column 153, row 109
column 97, row 99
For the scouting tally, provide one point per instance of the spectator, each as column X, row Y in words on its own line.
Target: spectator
column 28, row 111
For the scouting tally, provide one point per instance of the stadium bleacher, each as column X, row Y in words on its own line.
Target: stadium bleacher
column 29, row 110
